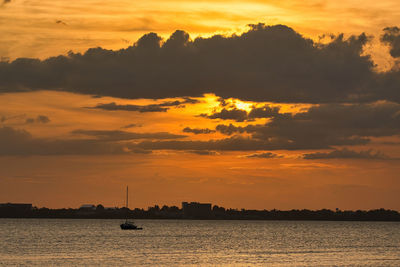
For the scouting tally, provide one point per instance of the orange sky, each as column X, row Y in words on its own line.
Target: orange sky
column 243, row 177
column 42, row 28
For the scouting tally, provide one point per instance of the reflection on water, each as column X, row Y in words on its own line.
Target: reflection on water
column 43, row 242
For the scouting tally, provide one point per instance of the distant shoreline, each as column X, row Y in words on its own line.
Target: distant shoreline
column 10, row 210
column 183, row 219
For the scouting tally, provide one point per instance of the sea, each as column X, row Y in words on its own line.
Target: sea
column 92, row 242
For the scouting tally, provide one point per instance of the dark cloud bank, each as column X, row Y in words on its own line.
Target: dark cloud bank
column 22, row 143
column 324, row 126
column 321, row 127
column 266, row 63
column 94, row 142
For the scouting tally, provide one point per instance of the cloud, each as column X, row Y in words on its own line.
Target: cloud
column 387, row 85
column 141, row 151
column 346, row 154
column 225, row 114
column 325, row 126
column 264, row 112
column 265, row 155
column 232, row 129
column 234, row 143
column 391, row 37
column 241, row 115
column 163, row 107
column 320, row 127
column 21, row 142
column 39, row 119
column 132, row 125
column 204, row 152
column 266, row 63
column 115, row 135
column 142, row 109
column 61, row 22
column 198, row 131
column 4, row 2
column 7, row 118
column 189, row 100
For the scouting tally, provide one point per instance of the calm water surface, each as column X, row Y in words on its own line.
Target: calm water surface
column 63, row 242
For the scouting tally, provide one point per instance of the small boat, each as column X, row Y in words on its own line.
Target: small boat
column 127, row 225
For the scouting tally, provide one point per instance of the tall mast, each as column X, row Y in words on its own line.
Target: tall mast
column 126, row 196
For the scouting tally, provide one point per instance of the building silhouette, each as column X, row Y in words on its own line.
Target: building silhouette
column 196, row 210
column 15, row 209
column 88, row 207
column 16, row 206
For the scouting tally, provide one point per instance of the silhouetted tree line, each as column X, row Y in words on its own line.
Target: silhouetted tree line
column 216, row 213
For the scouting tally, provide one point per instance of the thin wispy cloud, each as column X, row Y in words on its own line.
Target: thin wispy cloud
column 61, row 22
column 347, row 154
column 4, row 2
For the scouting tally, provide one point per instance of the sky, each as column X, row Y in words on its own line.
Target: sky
column 257, row 104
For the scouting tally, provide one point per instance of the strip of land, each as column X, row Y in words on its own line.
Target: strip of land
column 194, row 211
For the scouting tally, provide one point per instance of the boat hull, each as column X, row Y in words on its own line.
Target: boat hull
column 125, row 226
